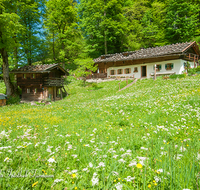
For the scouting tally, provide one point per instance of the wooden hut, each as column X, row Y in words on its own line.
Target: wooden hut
column 40, row 82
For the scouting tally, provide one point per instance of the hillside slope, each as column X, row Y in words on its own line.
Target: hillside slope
column 146, row 136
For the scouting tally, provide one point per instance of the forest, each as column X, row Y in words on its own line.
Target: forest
column 72, row 31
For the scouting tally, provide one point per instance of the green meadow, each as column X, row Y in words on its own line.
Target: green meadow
column 145, row 137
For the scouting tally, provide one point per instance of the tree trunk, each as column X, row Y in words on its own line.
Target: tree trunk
column 6, row 78
column 63, row 48
column 54, row 55
column 105, row 34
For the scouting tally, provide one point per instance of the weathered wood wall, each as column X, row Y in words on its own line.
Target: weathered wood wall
column 2, row 102
column 28, row 81
column 103, row 66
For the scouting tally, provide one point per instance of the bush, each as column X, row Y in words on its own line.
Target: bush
column 198, row 69
column 13, row 100
column 175, row 76
column 192, row 71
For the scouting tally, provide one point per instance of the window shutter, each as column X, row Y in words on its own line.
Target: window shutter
column 114, row 72
column 165, row 66
column 160, row 67
column 110, row 72
column 172, row 65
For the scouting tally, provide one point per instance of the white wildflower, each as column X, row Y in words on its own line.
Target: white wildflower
column 6, row 159
column 95, row 179
column 129, row 178
column 119, row 186
column 51, row 160
column 90, row 165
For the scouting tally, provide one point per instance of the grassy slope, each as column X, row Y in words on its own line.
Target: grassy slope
column 158, row 120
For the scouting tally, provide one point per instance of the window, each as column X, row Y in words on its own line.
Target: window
column 158, row 67
column 101, row 71
column 112, row 72
column 119, row 71
column 127, row 71
column 33, row 76
column 135, row 70
column 28, row 90
column 24, row 76
column 169, row 66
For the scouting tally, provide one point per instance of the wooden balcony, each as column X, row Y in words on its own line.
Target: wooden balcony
column 52, row 81
column 192, row 57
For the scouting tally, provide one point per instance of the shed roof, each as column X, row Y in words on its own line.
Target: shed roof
column 161, row 51
column 3, row 96
column 38, row 68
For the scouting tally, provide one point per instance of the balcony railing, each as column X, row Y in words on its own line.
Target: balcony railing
column 51, row 81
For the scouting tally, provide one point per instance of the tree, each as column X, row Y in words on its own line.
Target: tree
column 103, row 24
column 145, row 24
column 181, row 21
column 30, row 13
column 10, row 27
column 153, row 33
column 64, row 35
column 84, row 67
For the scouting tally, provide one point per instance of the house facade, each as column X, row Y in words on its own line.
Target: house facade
column 169, row 59
column 40, row 82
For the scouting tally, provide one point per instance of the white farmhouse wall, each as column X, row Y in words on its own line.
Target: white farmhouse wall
column 178, row 69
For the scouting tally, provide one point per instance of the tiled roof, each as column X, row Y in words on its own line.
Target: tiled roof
column 34, row 68
column 167, row 50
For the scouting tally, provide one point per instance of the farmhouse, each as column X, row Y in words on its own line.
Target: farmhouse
column 169, row 59
column 41, row 82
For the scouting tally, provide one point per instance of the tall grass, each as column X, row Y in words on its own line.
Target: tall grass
column 145, row 137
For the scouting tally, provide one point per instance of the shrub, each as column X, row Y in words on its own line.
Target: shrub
column 175, row 76
column 13, row 100
column 198, row 69
column 192, row 71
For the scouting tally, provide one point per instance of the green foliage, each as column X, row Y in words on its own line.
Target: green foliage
column 198, row 68
column 181, row 21
column 85, row 66
column 31, row 41
column 104, row 25
column 191, row 71
column 64, row 37
column 13, row 100
column 175, row 76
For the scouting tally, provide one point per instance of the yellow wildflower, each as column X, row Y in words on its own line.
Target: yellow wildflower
column 73, row 175
column 34, row 184
column 149, row 186
column 139, row 165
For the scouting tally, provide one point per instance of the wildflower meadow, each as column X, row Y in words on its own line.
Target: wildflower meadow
column 144, row 137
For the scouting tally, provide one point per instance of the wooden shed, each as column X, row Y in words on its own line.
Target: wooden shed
column 40, row 82
column 3, row 98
